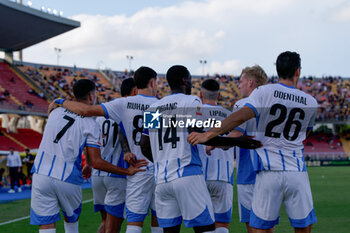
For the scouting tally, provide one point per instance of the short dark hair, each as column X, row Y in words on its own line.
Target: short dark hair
column 127, row 86
column 143, row 75
column 12, row 148
column 210, row 85
column 175, row 74
column 82, row 88
column 287, row 63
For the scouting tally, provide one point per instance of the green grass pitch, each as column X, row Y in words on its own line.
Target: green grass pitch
column 330, row 189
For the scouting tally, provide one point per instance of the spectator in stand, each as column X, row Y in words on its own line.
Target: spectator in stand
column 29, row 161
column 14, row 164
column 6, row 93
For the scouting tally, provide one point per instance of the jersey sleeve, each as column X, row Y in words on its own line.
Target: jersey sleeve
column 93, row 134
column 113, row 109
column 195, row 109
column 241, row 128
column 255, row 101
column 314, row 115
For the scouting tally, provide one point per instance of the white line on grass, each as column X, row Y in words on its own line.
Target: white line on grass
column 25, row 217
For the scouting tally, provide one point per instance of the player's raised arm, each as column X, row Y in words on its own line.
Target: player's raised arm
column 231, row 122
column 84, row 109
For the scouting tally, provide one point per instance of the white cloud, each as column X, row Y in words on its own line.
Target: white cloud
column 342, row 13
column 251, row 31
column 227, row 67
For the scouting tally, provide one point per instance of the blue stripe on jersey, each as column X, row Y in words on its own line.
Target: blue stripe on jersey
column 121, row 126
column 92, row 145
column 105, row 110
column 282, row 158
column 157, row 172
column 64, row 169
column 228, row 170
column 240, row 129
column 218, row 176
column 178, row 168
column 304, row 166
column 41, row 159
column 310, row 128
column 75, row 176
column 258, row 164
column 206, row 169
column 166, row 171
column 253, row 108
column 53, row 162
column 287, row 86
column 297, row 160
column 195, row 166
column 267, row 159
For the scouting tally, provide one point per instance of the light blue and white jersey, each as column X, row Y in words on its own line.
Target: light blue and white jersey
column 111, row 150
column 128, row 113
column 173, row 156
column 283, row 114
column 244, row 157
column 220, row 164
column 65, row 136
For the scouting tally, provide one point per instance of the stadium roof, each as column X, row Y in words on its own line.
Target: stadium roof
column 22, row 26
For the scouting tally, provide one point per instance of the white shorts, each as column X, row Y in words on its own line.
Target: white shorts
column 221, row 194
column 109, row 194
column 185, row 198
column 140, row 197
column 274, row 187
column 49, row 195
column 245, row 198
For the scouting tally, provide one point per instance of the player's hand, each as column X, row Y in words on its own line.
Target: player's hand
column 194, row 138
column 137, row 167
column 52, row 106
column 130, row 158
column 208, row 149
column 86, row 172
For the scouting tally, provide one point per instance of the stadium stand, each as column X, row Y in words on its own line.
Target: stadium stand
column 11, row 82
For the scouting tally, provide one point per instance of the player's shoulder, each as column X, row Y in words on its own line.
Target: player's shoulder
column 240, row 103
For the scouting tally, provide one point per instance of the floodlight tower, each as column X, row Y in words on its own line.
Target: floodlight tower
column 58, row 52
column 203, row 63
column 129, row 58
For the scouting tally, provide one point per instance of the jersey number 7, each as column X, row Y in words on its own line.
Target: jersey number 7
column 65, row 128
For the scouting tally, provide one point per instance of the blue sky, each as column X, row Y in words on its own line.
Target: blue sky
column 228, row 34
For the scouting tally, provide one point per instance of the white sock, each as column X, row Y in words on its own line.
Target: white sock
column 156, row 230
column 133, row 229
column 71, row 227
column 221, row 230
column 209, row 231
column 52, row 230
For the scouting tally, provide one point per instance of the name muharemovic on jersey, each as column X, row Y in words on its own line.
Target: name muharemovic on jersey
column 184, row 119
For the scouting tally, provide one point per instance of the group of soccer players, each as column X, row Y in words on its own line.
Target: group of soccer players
column 183, row 174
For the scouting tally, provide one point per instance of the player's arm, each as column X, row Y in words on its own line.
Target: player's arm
column 233, row 133
column 78, row 107
column 146, row 147
column 84, row 109
column 231, row 122
column 97, row 162
column 129, row 157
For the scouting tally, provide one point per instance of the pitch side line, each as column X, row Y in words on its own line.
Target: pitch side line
column 25, row 217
